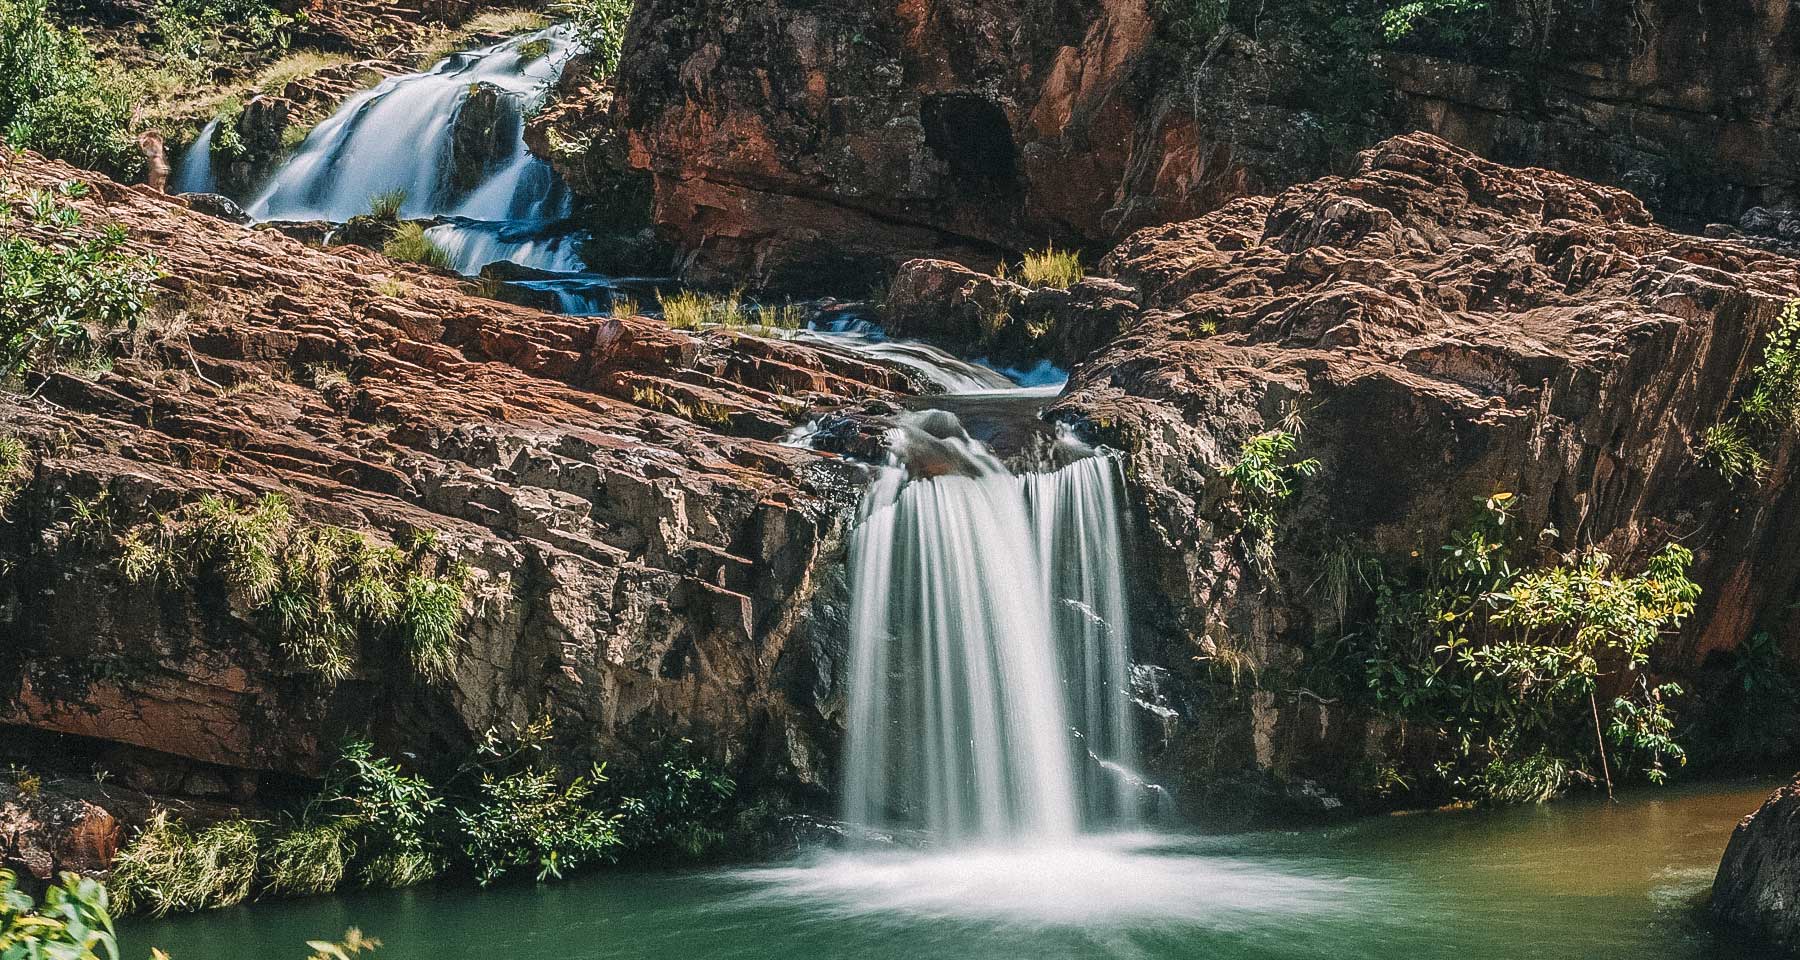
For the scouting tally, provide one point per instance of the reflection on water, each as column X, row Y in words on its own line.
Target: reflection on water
column 1578, row 880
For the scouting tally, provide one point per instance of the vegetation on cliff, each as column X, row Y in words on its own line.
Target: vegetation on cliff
column 505, row 812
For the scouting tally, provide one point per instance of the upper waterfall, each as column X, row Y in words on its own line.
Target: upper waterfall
column 401, row 135
column 989, row 643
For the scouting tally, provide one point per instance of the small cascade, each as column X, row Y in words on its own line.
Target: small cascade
column 194, row 174
column 403, row 135
column 1075, row 512
column 988, row 694
column 538, row 244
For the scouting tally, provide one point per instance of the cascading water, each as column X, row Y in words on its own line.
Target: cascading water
column 194, row 174
column 401, row 135
column 989, row 644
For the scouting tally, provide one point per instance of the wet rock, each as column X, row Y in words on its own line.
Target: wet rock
column 483, row 133
column 216, row 205
column 1758, row 885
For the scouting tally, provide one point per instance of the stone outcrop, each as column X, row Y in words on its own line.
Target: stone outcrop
column 1445, row 328
column 645, row 560
column 802, row 142
column 1758, row 886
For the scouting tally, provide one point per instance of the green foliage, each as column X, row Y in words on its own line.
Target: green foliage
column 534, row 51
column 1195, row 23
column 1728, row 449
column 12, row 463
column 1738, row 447
column 319, row 589
column 56, row 100
column 386, row 204
column 194, row 38
column 524, row 817
column 169, row 867
column 1051, row 267
column 72, row 924
column 309, row 860
column 395, row 812
column 692, row 310
column 1265, row 476
column 55, row 294
column 1448, row 16
column 599, row 26
column 409, row 244
column 1506, row 661
column 678, row 807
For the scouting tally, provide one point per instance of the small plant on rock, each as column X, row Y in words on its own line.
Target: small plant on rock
column 409, row 244
column 386, row 205
column 1051, row 267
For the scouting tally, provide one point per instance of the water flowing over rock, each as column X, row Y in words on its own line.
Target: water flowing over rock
column 1444, row 328
column 987, row 697
column 411, row 134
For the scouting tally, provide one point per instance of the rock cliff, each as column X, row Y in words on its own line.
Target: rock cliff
column 800, row 141
column 1445, row 328
column 644, row 561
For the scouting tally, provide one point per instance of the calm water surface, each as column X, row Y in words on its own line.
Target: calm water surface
column 1578, row 880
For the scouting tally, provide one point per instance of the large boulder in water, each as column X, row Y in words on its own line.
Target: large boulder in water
column 1758, row 886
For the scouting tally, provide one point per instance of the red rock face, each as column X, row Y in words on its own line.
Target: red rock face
column 1445, row 328
column 636, row 574
column 799, row 143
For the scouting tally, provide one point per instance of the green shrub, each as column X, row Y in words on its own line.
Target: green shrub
column 678, row 806
column 308, row 860
column 691, row 310
column 58, row 293
column 1738, row 447
column 1051, row 267
column 55, row 99
column 530, row 821
column 409, row 244
column 1507, row 660
column 394, row 813
column 169, row 867
column 1448, row 16
column 1265, row 476
column 599, row 26
column 73, row 923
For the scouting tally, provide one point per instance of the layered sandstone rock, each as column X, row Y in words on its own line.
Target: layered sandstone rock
column 1444, row 328
column 636, row 574
column 800, row 142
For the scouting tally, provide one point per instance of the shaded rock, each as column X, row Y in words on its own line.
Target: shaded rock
column 216, row 205
column 1758, row 885
column 483, row 132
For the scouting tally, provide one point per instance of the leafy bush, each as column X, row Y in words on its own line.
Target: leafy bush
column 678, row 806
column 529, row 821
column 1738, row 447
column 57, row 293
column 599, row 26
column 73, row 923
column 169, row 867
column 1265, row 476
column 1401, row 22
column 55, row 99
column 409, row 244
column 1051, row 267
column 1507, row 661
column 395, row 812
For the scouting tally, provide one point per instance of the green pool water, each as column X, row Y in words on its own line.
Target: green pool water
column 1577, row 880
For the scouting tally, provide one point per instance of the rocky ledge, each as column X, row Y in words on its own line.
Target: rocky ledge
column 1436, row 329
column 642, row 559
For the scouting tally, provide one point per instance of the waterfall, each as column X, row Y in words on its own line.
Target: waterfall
column 195, row 174
column 401, row 135
column 989, row 643
column 473, row 244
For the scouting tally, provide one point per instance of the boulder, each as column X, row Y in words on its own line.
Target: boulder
column 1758, row 886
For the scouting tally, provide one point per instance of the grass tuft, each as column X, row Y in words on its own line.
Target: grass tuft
column 409, row 244
column 169, row 867
column 309, row 861
column 386, row 204
column 1051, row 267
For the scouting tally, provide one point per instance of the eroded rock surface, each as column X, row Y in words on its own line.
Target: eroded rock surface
column 636, row 574
column 1445, row 328
column 797, row 140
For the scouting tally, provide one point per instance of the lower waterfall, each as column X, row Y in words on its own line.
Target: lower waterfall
column 989, row 644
